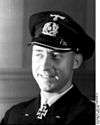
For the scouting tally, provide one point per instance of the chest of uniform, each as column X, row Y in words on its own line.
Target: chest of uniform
column 48, row 120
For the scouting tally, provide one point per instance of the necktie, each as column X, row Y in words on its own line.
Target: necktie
column 42, row 111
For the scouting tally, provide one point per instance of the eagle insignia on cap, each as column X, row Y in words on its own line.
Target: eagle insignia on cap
column 50, row 28
column 55, row 17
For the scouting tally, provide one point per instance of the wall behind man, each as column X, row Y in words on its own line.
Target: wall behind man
column 16, row 82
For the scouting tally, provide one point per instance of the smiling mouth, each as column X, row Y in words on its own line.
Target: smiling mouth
column 49, row 76
column 45, row 76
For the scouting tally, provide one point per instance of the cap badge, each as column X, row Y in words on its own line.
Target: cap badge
column 55, row 17
column 50, row 28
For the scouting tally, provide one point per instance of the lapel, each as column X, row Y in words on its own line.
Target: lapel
column 31, row 110
column 33, row 106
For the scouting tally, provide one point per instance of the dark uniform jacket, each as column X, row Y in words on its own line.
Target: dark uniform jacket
column 71, row 109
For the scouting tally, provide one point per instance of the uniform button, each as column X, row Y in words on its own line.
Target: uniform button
column 26, row 114
column 58, row 117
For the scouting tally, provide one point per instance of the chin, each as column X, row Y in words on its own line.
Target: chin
column 46, row 88
column 46, row 85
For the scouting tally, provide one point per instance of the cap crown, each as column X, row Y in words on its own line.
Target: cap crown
column 57, row 30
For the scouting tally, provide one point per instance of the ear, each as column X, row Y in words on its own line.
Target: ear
column 78, row 59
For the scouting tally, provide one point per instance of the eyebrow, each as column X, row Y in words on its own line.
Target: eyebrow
column 38, row 50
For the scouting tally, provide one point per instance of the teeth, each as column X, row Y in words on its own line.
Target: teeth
column 45, row 76
column 48, row 76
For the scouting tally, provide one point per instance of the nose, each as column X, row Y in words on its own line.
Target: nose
column 48, row 65
column 47, row 62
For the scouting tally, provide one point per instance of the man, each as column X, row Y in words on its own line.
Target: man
column 59, row 46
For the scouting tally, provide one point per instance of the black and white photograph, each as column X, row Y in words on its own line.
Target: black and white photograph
column 47, row 63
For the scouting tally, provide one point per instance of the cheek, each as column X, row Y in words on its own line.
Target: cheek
column 65, row 69
column 34, row 65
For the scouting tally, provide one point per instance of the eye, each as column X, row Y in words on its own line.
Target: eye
column 56, row 55
column 38, row 54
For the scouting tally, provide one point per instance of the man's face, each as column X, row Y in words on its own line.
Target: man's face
column 51, row 69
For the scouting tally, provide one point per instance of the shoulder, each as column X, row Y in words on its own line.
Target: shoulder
column 87, row 105
column 16, row 112
column 87, row 110
column 83, row 100
column 82, row 110
column 82, row 105
column 21, row 107
column 87, row 114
